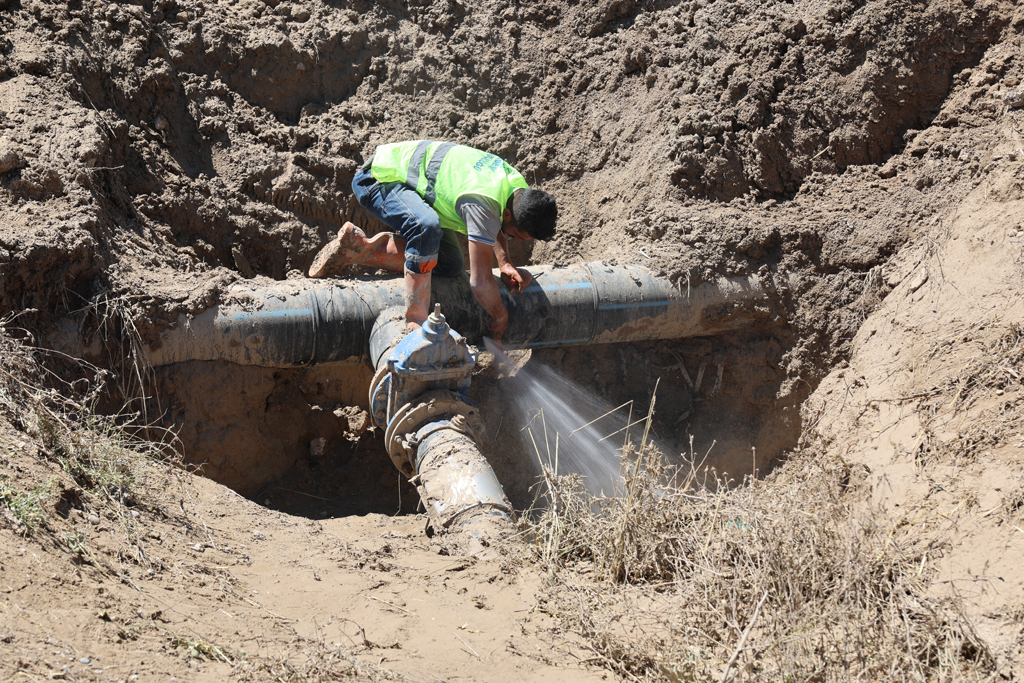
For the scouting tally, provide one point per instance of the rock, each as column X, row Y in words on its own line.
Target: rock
column 317, row 446
column 94, row 520
column 10, row 157
column 242, row 263
column 358, row 421
column 258, row 535
column 1015, row 98
column 919, row 279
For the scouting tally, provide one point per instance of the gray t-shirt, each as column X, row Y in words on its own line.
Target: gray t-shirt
column 481, row 216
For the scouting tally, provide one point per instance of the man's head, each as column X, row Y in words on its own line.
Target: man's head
column 533, row 212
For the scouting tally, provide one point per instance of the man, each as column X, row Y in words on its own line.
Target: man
column 426, row 192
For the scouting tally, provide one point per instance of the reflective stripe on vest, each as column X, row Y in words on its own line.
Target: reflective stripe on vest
column 412, row 175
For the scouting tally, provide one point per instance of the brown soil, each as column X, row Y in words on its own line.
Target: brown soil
column 152, row 153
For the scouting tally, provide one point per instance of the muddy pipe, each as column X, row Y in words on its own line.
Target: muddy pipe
column 419, row 397
column 299, row 323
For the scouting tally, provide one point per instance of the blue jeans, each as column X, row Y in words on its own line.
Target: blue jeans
column 428, row 247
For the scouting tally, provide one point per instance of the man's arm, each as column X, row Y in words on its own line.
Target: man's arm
column 516, row 279
column 485, row 289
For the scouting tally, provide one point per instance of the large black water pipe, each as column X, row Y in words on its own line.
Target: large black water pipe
column 297, row 323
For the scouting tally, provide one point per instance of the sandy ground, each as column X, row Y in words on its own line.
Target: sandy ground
column 229, row 588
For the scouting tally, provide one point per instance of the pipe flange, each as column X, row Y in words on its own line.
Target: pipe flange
column 380, row 387
column 434, row 405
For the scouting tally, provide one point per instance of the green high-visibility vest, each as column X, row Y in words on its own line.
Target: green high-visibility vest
column 441, row 172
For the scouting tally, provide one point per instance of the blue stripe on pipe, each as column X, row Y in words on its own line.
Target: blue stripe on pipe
column 535, row 287
column 273, row 314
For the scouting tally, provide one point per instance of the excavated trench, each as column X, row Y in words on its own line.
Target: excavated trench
column 299, row 438
column 155, row 154
column 302, row 439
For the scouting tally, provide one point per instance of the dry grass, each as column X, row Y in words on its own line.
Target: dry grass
column 311, row 659
column 100, row 452
column 975, row 403
column 789, row 578
column 993, row 368
column 98, row 465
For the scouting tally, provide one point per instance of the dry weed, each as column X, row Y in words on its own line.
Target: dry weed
column 310, row 659
column 787, row 578
column 992, row 370
column 104, row 469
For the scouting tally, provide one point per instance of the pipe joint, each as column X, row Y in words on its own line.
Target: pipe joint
column 437, row 409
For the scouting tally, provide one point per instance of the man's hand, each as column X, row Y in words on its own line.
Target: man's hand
column 516, row 279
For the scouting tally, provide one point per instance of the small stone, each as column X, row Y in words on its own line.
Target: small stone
column 1015, row 98
column 258, row 535
column 94, row 520
column 160, row 123
column 85, row 660
column 242, row 263
column 198, row 547
column 135, row 514
column 919, row 280
column 9, row 157
column 317, row 446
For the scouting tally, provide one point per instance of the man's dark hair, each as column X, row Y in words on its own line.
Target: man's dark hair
column 535, row 213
